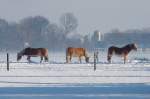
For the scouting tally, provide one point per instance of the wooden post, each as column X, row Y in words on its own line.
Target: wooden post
column 94, row 61
column 7, row 62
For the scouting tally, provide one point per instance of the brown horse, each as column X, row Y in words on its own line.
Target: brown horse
column 33, row 52
column 124, row 51
column 76, row 52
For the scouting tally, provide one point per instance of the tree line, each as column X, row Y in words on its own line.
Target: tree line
column 116, row 37
column 38, row 31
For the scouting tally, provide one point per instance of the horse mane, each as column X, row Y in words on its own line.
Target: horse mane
column 23, row 51
column 128, row 47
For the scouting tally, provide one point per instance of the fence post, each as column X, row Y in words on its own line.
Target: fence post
column 94, row 61
column 7, row 62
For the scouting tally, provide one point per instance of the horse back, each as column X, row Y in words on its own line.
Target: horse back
column 117, row 50
column 75, row 51
column 36, row 51
column 44, row 51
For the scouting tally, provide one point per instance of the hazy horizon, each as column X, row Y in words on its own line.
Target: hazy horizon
column 102, row 15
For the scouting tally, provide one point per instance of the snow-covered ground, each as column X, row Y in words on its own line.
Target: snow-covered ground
column 57, row 72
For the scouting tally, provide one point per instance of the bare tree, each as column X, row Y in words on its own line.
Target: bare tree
column 69, row 22
column 32, row 27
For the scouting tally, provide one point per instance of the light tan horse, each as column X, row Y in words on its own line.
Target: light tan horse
column 33, row 52
column 123, row 51
column 76, row 52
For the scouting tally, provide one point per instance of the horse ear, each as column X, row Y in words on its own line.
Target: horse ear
column 135, row 44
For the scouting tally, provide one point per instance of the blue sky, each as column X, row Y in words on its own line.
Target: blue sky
column 103, row 15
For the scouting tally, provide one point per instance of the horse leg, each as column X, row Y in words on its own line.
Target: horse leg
column 86, row 59
column 125, row 58
column 80, row 59
column 109, row 54
column 67, row 61
column 109, row 58
column 46, row 58
column 70, row 58
column 41, row 59
column 28, row 58
column 97, row 57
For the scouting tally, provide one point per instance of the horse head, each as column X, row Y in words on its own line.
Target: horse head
column 134, row 46
column 19, row 55
column 87, row 59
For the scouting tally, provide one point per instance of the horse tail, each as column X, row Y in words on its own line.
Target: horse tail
column 85, row 53
column 109, row 54
column 46, row 54
column 67, row 50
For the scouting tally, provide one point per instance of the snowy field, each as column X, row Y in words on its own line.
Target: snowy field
column 57, row 72
column 56, row 79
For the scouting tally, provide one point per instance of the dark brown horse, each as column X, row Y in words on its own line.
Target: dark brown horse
column 124, row 51
column 76, row 52
column 33, row 52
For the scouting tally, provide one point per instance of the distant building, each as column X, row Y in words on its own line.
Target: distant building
column 98, row 35
column 97, row 39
